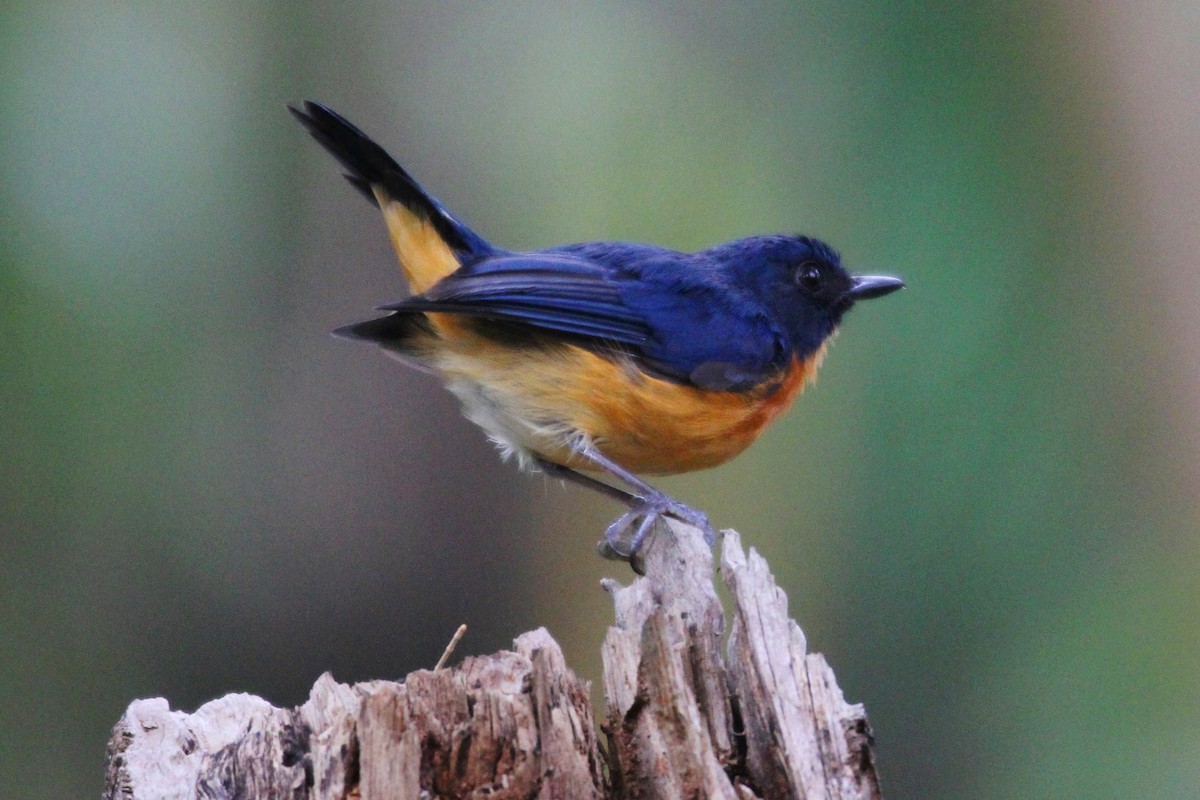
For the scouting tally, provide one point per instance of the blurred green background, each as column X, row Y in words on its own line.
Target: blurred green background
column 985, row 514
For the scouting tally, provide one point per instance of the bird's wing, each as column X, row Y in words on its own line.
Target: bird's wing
column 686, row 333
column 554, row 292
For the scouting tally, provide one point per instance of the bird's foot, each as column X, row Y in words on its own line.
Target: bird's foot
column 623, row 539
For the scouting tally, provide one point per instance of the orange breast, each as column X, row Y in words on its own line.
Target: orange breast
column 658, row 427
column 539, row 398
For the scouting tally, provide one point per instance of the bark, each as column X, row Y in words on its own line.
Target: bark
column 685, row 717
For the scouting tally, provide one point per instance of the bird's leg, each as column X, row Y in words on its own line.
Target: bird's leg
column 646, row 505
column 605, row 547
column 587, row 481
column 647, row 496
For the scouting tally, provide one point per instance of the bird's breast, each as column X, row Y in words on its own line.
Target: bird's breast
column 655, row 426
column 542, row 399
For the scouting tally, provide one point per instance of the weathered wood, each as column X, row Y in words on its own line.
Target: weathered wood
column 762, row 720
column 669, row 719
column 685, row 716
column 802, row 738
column 512, row 725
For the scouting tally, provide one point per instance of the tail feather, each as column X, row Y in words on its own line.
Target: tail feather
column 394, row 329
column 428, row 240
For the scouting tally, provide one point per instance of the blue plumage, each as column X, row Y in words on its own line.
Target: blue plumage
column 725, row 318
column 733, row 329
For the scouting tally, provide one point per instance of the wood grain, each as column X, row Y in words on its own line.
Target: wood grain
column 687, row 714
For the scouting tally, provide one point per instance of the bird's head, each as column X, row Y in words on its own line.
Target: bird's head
column 802, row 281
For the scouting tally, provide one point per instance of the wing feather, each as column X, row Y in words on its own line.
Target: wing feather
column 568, row 295
column 686, row 333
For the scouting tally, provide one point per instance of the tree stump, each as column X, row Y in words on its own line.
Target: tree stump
column 684, row 717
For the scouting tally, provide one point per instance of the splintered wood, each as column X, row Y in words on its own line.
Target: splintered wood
column 511, row 725
column 763, row 719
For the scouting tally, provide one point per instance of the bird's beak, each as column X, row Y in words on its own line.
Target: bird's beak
column 865, row 287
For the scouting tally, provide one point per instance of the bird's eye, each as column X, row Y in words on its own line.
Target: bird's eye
column 810, row 277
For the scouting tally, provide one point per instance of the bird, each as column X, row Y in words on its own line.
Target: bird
column 601, row 358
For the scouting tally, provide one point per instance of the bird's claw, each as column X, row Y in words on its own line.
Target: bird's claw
column 623, row 539
column 695, row 518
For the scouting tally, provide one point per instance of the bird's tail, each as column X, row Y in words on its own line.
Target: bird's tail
column 428, row 240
